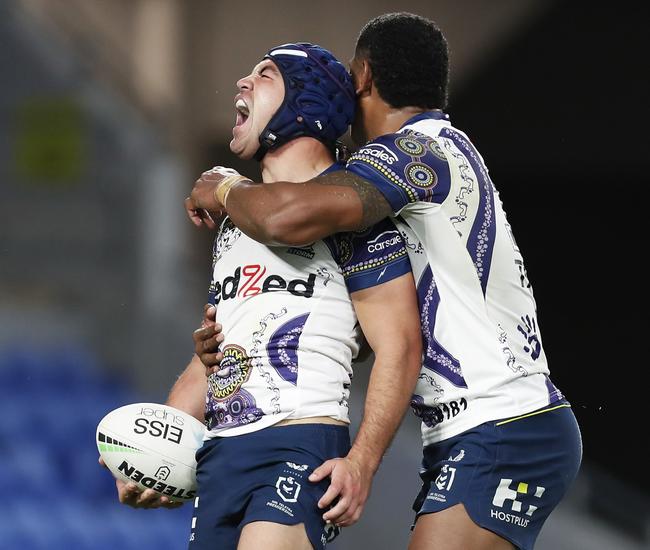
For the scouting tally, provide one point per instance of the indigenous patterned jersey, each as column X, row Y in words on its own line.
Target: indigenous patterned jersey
column 483, row 356
column 290, row 329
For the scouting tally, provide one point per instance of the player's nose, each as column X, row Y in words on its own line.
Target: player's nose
column 245, row 83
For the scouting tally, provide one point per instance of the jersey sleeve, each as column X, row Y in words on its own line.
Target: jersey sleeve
column 405, row 168
column 371, row 257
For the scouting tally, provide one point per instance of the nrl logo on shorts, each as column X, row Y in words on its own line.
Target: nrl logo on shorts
column 288, row 489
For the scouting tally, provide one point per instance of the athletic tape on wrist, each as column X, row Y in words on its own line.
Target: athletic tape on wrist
column 223, row 190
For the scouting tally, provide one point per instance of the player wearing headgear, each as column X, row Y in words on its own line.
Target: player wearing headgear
column 501, row 444
column 318, row 101
column 276, row 407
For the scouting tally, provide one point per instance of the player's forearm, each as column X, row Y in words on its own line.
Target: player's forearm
column 389, row 393
column 294, row 214
column 189, row 391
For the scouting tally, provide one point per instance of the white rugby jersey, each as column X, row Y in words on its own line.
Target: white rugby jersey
column 483, row 355
column 290, row 330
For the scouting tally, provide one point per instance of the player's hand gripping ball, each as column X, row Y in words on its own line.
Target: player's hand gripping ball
column 153, row 446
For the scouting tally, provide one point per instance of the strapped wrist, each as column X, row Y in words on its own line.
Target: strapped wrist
column 225, row 186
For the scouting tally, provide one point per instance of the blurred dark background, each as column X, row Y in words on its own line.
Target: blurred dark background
column 110, row 109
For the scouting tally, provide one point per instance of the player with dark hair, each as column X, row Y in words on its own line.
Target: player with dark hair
column 422, row 79
column 276, row 407
column 501, row 443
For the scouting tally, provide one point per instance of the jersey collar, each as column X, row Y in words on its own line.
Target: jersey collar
column 427, row 115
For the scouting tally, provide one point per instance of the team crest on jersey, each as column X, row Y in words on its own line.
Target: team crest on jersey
column 345, row 248
column 234, row 370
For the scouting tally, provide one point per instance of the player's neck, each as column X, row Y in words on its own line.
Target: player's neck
column 393, row 119
column 300, row 159
column 380, row 118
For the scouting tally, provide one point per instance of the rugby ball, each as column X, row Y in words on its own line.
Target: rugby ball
column 152, row 445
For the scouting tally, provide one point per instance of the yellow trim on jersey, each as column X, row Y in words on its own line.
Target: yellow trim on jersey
column 532, row 414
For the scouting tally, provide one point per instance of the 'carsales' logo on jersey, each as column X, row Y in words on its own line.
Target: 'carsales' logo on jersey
column 386, row 239
column 378, row 151
column 250, row 280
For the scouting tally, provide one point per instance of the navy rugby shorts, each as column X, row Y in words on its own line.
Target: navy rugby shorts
column 263, row 476
column 509, row 474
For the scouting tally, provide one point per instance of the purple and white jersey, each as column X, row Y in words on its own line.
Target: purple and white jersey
column 290, row 330
column 483, row 356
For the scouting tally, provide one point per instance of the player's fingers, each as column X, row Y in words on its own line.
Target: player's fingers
column 340, row 522
column 148, row 499
column 357, row 515
column 128, row 493
column 217, row 359
column 196, row 219
column 211, row 338
column 210, row 345
column 101, row 462
column 163, row 501
column 203, row 344
column 349, row 516
column 339, row 511
column 323, row 471
column 212, row 175
column 354, row 512
column 202, row 334
column 205, row 347
column 192, row 212
column 211, row 360
column 209, row 315
column 207, row 219
column 333, row 491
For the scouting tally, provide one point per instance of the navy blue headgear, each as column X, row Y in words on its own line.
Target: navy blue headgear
column 318, row 97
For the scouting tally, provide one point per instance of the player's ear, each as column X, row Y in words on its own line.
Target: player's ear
column 363, row 80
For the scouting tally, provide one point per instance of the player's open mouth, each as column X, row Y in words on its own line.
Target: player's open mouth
column 242, row 112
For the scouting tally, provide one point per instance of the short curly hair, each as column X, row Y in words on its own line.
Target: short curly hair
column 409, row 58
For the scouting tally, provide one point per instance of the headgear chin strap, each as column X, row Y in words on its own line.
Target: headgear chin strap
column 318, row 97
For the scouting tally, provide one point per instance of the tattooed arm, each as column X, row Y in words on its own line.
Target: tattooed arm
column 295, row 214
column 301, row 213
